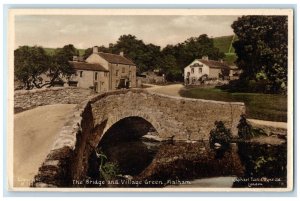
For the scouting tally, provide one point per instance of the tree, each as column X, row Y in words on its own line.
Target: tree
column 60, row 66
column 170, row 69
column 32, row 65
column 87, row 53
column 262, row 49
column 29, row 64
column 191, row 49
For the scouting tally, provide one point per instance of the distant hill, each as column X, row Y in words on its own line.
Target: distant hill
column 50, row 51
column 224, row 43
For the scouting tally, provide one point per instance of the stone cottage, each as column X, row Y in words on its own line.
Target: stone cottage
column 104, row 72
column 204, row 69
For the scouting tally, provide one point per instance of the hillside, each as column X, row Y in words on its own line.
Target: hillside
column 224, row 43
column 50, row 51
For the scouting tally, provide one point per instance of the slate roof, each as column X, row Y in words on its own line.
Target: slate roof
column 87, row 66
column 214, row 64
column 115, row 58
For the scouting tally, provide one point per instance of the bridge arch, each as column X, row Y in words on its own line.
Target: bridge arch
column 137, row 126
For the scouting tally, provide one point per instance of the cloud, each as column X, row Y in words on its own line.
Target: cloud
column 86, row 31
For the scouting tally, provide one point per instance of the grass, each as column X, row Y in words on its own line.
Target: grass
column 270, row 107
column 224, row 44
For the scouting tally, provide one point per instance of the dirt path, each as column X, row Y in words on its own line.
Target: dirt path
column 34, row 134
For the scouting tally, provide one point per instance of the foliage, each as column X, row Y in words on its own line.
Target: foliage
column 246, row 131
column 60, row 66
column 32, row 64
column 263, row 161
column 220, row 134
column 262, row 48
column 192, row 48
column 271, row 107
column 230, row 58
column 171, row 60
column 108, row 170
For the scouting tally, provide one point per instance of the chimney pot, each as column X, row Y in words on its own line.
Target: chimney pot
column 95, row 49
column 122, row 54
column 205, row 58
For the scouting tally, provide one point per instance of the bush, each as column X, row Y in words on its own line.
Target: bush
column 246, row 131
column 220, row 134
column 108, row 170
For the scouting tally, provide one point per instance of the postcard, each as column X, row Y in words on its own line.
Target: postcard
column 150, row 100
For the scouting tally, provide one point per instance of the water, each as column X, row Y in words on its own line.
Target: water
column 140, row 163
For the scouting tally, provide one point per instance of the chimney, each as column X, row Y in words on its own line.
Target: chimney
column 95, row 49
column 221, row 60
column 122, row 54
column 205, row 58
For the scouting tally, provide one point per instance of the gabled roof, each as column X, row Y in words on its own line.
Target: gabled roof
column 115, row 58
column 214, row 64
column 87, row 66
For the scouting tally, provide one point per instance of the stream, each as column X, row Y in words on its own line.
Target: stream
column 144, row 163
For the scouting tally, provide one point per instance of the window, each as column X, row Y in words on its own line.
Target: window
column 81, row 73
column 105, row 74
column 200, row 70
column 192, row 70
column 95, row 86
column 123, row 70
column 117, row 72
column 96, row 76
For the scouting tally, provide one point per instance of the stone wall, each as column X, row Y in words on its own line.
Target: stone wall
column 28, row 99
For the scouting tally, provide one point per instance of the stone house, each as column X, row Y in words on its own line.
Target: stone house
column 152, row 77
column 104, row 72
column 204, row 69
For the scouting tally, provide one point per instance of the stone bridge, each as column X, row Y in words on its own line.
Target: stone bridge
column 172, row 117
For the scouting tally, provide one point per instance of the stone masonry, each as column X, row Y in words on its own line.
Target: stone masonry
column 28, row 99
column 173, row 117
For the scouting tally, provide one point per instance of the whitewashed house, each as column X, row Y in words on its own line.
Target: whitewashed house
column 204, row 69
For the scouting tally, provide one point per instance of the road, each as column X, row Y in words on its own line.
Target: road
column 34, row 133
column 172, row 90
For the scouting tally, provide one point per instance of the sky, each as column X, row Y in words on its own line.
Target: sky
column 87, row 31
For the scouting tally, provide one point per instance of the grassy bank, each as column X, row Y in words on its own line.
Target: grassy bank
column 271, row 107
